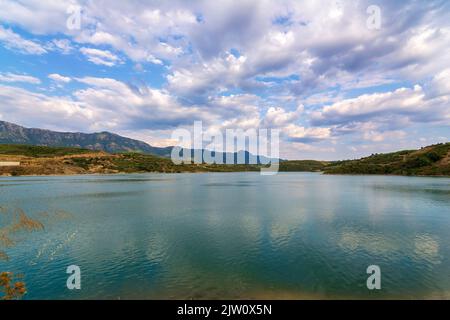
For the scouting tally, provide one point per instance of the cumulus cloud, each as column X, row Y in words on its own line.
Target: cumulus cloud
column 380, row 117
column 97, row 107
column 301, row 134
column 409, row 103
column 277, row 116
column 275, row 39
column 312, row 69
column 37, row 16
column 440, row 84
column 217, row 75
column 26, row 107
column 127, row 108
column 234, row 111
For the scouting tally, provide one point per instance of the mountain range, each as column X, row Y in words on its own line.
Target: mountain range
column 11, row 133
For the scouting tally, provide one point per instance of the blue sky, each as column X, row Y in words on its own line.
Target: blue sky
column 338, row 79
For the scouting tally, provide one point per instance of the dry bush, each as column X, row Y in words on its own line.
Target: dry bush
column 11, row 288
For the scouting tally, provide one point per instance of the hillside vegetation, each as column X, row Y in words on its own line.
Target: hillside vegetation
column 39, row 160
column 39, row 151
column 432, row 160
column 303, row 165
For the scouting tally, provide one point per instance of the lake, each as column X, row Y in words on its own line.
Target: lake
column 231, row 235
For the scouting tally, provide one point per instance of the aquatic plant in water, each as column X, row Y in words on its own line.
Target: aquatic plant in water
column 11, row 285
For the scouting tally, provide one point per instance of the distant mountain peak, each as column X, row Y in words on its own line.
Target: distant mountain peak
column 11, row 133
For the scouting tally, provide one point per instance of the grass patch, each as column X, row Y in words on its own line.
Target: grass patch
column 40, row 151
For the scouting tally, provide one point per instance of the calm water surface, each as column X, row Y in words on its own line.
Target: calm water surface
column 232, row 235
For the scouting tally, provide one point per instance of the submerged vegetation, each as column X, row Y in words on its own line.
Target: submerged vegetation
column 15, row 225
column 11, row 223
column 11, row 286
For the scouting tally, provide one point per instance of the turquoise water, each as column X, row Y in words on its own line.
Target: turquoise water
column 232, row 235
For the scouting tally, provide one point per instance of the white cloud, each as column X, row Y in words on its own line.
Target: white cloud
column 101, row 57
column 380, row 117
column 12, row 77
column 375, row 136
column 39, row 17
column 233, row 111
column 25, row 107
column 306, row 43
column 62, row 45
column 277, row 116
column 301, row 134
column 100, row 107
column 59, row 78
column 409, row 103
column 251, row 63
column 14, row 41
column 216, row 75
column 440, row 84
column 127, row 107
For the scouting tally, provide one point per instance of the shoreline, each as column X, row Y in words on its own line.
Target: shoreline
column 431, row 161
column 223, row 172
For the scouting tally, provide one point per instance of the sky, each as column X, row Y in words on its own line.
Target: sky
column 338, row 79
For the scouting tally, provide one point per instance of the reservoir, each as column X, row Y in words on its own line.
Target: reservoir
column 230, row 235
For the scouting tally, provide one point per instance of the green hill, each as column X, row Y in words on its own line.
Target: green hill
column 39, row 151
column 42, row 160
column 432, row 160
column 303, row 165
